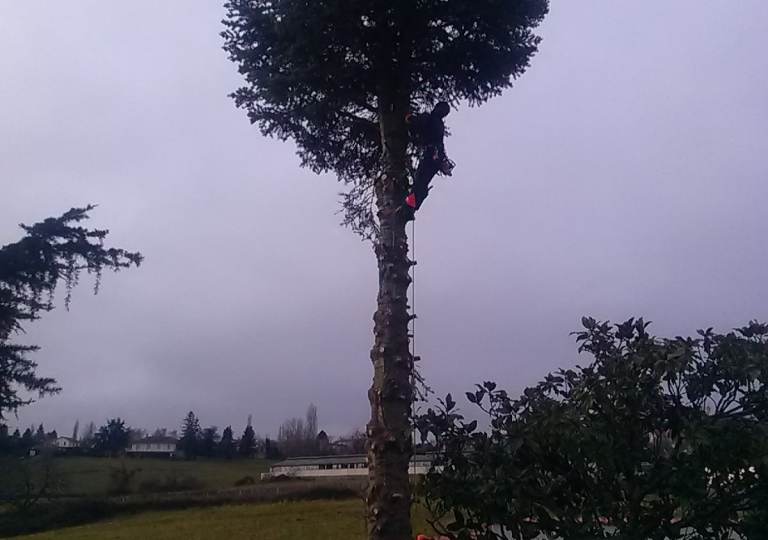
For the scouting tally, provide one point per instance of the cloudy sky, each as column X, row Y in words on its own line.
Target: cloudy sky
column 626, row 174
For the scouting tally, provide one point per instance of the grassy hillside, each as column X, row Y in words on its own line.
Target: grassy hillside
column 313, row 520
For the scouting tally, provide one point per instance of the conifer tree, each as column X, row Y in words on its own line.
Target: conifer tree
column 190, row 436
column 227, row 446
column 210, row 441
column 113, row 437
column 247, row 446
column 53, row 251
column 339, row 78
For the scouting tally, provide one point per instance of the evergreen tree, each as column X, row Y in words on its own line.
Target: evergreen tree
column 247, row 446
column 75, row 430
column 40, row 435
column 210, row 441
column 53, row 251
column 6, row 444
column 113, row 437
column 16, row 445
column 227, row 447
column 27, row 440
column 190, row 436
column 339, row 79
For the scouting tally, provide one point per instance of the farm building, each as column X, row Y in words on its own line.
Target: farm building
column 153, row 447
column 335, row 466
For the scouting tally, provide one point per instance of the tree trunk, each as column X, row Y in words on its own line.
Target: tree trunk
column 388, row 445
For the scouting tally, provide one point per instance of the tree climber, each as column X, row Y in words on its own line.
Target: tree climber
column 427, row 132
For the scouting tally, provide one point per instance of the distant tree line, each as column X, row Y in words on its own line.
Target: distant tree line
column 296, row 437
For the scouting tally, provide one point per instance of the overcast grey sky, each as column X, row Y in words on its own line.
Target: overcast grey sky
column 624, row 175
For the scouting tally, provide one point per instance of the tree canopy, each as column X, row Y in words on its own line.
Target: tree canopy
column 53, row 251
column 656, row 438
column 318, row 72
column 113, row 437
column 227, row 445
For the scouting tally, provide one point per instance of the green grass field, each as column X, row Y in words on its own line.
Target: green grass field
column 90, row 476
column 313, row 520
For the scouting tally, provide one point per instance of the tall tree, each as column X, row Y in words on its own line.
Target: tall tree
column 75, row 430
column 247, row 446
column 53, row 251
column 227, row 448
column 16, row 446
column 271, row 451
column 190, row 436
column 339, row 78
column 655, row 439
column 89, row 434
column 6, row 442
column 27, row 440
column 291, row 437
column 310, row 425
column 113, row 437
column 298, row 436
column 40, row 434
column 209, row 442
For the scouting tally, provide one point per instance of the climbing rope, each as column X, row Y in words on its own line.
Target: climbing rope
column 413, row 288
column 413, row 323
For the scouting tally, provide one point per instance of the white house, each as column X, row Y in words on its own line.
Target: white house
column 153, row 446
column 65, row 443
column 335, row 466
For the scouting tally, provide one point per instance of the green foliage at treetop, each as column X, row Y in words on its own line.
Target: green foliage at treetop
column 323, row 72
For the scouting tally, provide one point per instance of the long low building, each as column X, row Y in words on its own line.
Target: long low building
column 325, row 466
column 155, row 446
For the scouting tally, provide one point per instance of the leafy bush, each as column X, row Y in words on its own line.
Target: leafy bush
column 121, row 479
column 26, row 482
column 657, row 438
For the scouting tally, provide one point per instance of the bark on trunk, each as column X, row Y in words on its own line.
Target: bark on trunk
column 389, row 446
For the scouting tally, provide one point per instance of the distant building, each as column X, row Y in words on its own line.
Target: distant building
column 156, row 446
column 337, row 466
column 65, row 443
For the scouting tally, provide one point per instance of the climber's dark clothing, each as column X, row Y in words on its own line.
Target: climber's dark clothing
column 429, row 165
column 428, row 132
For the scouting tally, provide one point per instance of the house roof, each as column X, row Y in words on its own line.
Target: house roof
column 341, row 460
